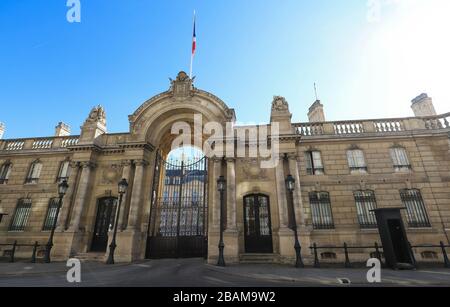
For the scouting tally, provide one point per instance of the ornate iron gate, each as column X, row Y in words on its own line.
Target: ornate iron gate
column 179, row 210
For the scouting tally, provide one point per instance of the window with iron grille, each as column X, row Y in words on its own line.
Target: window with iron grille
column 34, row 173
column 64, row 172
column 314, row 165
column 356, row 161
column 365, row 202
column 400, row 159
column 21, row 214
column 415, row 208
column 51, row 214
column 322, row 216
column 5, row 171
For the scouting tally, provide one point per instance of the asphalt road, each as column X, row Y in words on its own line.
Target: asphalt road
column 195, row 273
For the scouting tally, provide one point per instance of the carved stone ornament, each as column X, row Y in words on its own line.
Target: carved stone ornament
column 252, row 170
column 97, row 115
column 279, row 103
column 111, row 174
column 182, row 85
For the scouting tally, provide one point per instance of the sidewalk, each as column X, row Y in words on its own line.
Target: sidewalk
column 24, row 268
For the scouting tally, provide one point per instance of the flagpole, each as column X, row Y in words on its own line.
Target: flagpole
column 192, row 54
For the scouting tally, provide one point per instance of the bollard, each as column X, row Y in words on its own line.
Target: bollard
column 316, row 257
column 347, row 259
column 33, row 256
column 444, row 254
column 13, row 251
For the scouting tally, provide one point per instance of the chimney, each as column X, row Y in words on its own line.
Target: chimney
column 62, row 129
column 316, row 113
column 422, row 106
column 2, row 130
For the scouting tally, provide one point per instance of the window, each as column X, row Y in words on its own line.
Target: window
column 314, row 164
column 34, row 173
column 400, row 159
column 20, row 218
column 64, row 172
column 365, row 202
column 51, row 214
column 5, row 171
column 322, row 216
column 415, row 208
column 356, row 161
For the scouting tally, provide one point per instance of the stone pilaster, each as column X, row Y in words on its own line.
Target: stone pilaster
column 69, row 198
column 281, row 194
column 81, row 196
column 136, row 195
column 126, row 174
column 231, row 195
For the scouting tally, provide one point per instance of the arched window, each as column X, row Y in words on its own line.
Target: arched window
column 64, row 171
column 415, row 208
column 314, row 165
column 21, row 214
column 322, row 216
column 5, row 171
column 400, row 159
column 34, row 172
column 356, row 161
column 365, row 203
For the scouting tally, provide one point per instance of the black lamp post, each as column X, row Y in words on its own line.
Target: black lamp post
column 123, row 185
column 221, row 187
column 290, row 186
column 62, row 190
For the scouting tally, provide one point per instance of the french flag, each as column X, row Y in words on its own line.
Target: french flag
column 194, row 40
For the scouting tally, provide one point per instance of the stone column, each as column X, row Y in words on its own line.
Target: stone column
column 136, row 195
column 281, row 194
column 231, row 195
column 126, row 174
column 81, row 196
column 68, row 198
column 298, row 203
column 216, row 173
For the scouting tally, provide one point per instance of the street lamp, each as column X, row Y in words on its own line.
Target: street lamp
column 62, row 190
column 221, row 186
column 123, row 185
column 290, row 186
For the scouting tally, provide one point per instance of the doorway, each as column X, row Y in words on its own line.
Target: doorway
column 106, row 212
column 257, row 224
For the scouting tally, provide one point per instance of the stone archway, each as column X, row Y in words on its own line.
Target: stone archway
column 152, row 124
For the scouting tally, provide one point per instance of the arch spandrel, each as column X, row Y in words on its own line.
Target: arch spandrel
column 154, row 118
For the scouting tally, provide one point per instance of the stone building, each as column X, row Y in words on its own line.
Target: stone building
column 342, row 170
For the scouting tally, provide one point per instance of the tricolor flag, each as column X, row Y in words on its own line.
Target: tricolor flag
column 194, row 40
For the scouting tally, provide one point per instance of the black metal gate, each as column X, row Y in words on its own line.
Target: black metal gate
column 106, row 211
column 257, row 224
column 179, row 209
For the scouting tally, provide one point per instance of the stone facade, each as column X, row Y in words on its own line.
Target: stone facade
column 99, row 160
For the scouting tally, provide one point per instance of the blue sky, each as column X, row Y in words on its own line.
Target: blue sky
column 366, row 64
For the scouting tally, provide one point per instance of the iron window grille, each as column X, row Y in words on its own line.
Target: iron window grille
column 5, row 171
column 314, row 165
column 34, row 173
column 21, row 215
column 64, row 172
column 356, row 161
column 322, row 215
column 51, row 214
column 365, row 202
column 415, row 207
column 400, row 159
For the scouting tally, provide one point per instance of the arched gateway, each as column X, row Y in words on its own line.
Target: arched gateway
column 178, row 217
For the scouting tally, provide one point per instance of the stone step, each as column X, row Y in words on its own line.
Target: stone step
column 259, row 258
column 96, row 257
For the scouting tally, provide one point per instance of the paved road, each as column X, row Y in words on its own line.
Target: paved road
column 195, row 273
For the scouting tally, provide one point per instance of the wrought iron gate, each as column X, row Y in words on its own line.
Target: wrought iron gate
column 179, row 209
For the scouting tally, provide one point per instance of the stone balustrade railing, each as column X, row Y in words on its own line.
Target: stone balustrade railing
column 38, row 143
column 374, row 126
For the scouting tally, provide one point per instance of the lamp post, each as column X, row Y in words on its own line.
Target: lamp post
column 290, row 186
column 123, row 185
column 62, row 190
column 221, row 186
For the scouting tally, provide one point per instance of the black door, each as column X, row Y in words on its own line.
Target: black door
column 258, row 228
column 398, row 241
column 106, row 211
